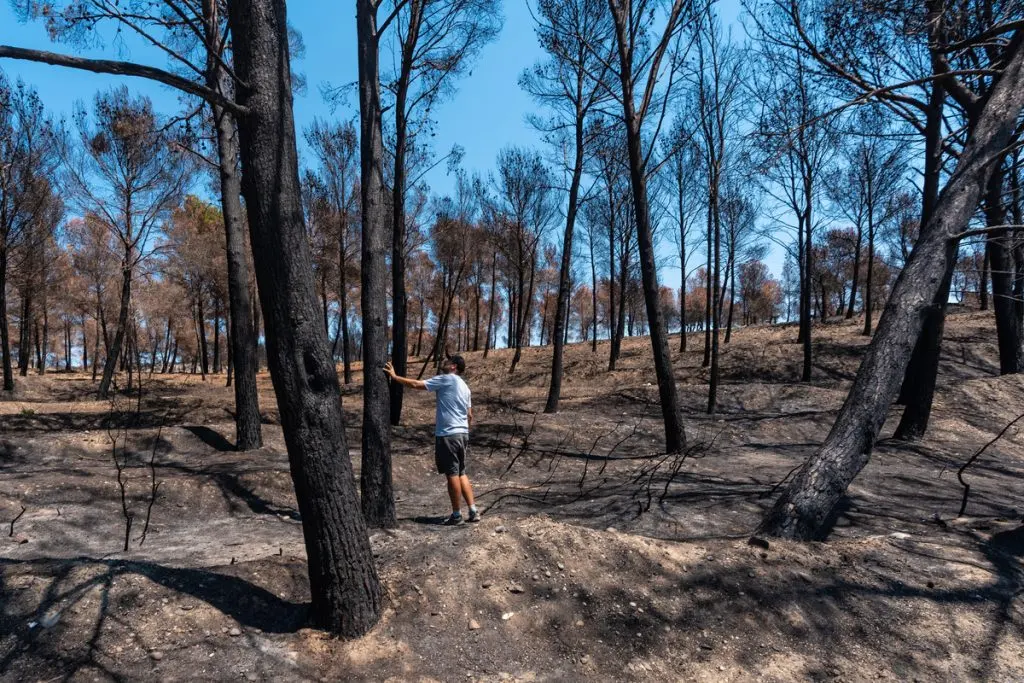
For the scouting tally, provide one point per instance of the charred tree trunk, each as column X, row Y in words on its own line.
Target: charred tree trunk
column 675, row 439
column 716, row 311
column 918, row 389
column 25, row 333
column 116, row 346
column 708, row 298
column 399, row 298
column 1004, row 303
column 5, row 339
column 802, row 510
column 345, row 589
column 243, row 338
column 562, row 307
column 378, row 498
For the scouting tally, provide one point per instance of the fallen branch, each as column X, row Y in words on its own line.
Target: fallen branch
column 977, row 454
column 15, row 520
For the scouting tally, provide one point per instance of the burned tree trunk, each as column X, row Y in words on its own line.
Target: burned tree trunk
column 248, row 434
column 345, row 589
column 378, row 498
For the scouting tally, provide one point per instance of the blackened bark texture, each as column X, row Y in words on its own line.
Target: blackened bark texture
column 375, row 485
column 918, row 389
column 708, row 299
column 345, row 589
column 25, row 332
column 716, row 312
column 248, row 432
column 5, row 334
column 399, row 297
column 808, row 278
column 114, row 354
column 1006, row 306
column 562, row 307
column 675, row 438
column 802, row 510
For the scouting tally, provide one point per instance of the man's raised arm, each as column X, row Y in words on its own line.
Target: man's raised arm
column 389, row 370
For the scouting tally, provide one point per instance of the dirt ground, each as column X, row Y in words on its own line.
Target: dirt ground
column 598, row 557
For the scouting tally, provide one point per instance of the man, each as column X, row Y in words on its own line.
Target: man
column 451, row 433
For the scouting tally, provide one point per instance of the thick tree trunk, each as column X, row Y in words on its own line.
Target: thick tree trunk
column 345, row 589
column 377, row 494
column 802, row 510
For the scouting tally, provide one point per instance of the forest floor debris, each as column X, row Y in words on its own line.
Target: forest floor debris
column 597, row 556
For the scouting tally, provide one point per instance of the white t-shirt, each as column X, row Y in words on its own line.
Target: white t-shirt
column 453, row 404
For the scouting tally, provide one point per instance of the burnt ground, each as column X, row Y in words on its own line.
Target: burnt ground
column 598, row 557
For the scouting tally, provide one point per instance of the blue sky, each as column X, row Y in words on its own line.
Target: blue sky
column 487, row 112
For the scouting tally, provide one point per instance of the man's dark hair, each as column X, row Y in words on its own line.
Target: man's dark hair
column 459, row 362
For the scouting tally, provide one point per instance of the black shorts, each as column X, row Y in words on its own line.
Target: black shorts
column 450, row 454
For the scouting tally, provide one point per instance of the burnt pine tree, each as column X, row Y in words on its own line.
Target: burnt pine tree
column 569, row 84
column 644, row 60
column 345, row 588
column 375, row 484
column 804, row 506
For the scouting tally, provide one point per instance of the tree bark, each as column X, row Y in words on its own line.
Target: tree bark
column 345, row 589
column 1004, row 303
column 114, row 354
column 25, row 332
column 918, row 389
column 378, row 499
column 5, row 339
column 248, row 432
column 675, row 438
column 802, row 510
column 562, row 307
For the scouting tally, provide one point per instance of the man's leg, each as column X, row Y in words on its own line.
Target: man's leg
column 467, row 489
column 455, row 490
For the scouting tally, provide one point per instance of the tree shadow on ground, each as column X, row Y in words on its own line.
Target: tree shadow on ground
column 70, row 588
column 211, row 438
